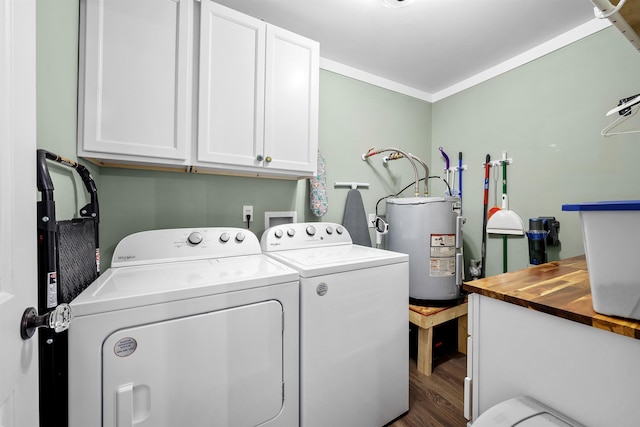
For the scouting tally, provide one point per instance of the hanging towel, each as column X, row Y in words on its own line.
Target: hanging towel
column 355, row 219
column 318, row 189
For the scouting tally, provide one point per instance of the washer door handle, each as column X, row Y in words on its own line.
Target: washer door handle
column 58, row 319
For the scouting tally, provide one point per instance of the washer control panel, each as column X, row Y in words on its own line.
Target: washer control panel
column 184, row 244
column 304, row 235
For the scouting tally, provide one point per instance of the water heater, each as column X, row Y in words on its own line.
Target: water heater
column 428, row 229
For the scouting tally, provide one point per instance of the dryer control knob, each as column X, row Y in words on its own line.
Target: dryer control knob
column 195, row 238
column 291, row 232
column 240, row 237
column 311, row 230
column 329, row 229
column 339, row 230
column 224, row 237
column 278, row 233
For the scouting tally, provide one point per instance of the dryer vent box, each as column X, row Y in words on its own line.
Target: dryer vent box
column 271, row 219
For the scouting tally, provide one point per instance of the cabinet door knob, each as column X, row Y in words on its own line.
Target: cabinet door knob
column 268, row 159
column 259, row 157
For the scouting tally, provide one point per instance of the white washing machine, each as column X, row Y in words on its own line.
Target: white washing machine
column 189, row 327
column 354, row 333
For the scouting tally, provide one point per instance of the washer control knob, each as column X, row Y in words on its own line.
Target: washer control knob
column 240, row 237
column 278, row 233
column 224, row 237
column 329, row 229
column 291, row 232
column 311, row 230
column 195, row 238
column 339, row 229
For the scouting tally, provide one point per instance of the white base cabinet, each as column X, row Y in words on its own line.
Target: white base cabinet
column 196, row 85
column 588, row 374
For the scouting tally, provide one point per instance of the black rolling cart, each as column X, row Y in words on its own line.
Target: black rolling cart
column 68, row 262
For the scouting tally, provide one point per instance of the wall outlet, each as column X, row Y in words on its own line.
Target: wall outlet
column 247, row 210
column 372, row 220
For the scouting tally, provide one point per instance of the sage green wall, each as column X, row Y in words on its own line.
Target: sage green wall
column 356, row 116
column 56, row 91
column 547, row 115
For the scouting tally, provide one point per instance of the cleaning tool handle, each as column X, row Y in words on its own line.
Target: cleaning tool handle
column 446, row 158
column 483, row 267
column 487, row 166
column 460, row 175
column 504, row 177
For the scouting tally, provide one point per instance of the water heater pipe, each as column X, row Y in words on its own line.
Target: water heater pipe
column 373, row 152
column 397, row 155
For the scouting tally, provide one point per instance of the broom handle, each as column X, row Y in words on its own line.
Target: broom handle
column 487, row 165
column 504, row 237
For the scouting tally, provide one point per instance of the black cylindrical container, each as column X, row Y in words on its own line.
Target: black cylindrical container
column 537, row 241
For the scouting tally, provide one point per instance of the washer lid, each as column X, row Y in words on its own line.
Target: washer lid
column 136, row 286
column 313, row 262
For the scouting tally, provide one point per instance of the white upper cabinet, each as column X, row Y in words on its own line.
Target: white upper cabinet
column 252, row 110
column 258, row 105
column 135, row 81
column 291, row 101
column 231, row 90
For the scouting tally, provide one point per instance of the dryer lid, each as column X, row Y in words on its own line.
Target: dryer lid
column 130, row 287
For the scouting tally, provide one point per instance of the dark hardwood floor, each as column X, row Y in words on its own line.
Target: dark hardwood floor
column 436, row 400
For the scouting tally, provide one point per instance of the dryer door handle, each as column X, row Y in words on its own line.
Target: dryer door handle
column 133, row 404
column 124, row 406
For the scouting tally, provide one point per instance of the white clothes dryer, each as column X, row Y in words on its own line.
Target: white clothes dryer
column 189, row 327
column 354, row 333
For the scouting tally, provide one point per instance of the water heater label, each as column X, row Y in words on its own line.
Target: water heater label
column 442, row 267
column 443, row 245
column 442, row 260
column 443, row 240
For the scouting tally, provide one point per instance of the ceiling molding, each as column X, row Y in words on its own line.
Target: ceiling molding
column 363, row 76
column 552, row 45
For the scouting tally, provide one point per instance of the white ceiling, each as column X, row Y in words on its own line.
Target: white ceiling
column 427, row 45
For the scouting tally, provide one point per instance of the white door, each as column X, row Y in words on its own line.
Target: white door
column 18, row 278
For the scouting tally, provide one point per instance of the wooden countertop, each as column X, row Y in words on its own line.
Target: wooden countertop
column 560, row 288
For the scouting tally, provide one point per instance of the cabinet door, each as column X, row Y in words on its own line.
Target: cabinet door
column 231, row 90
column 135, row 80
column 291, row 101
